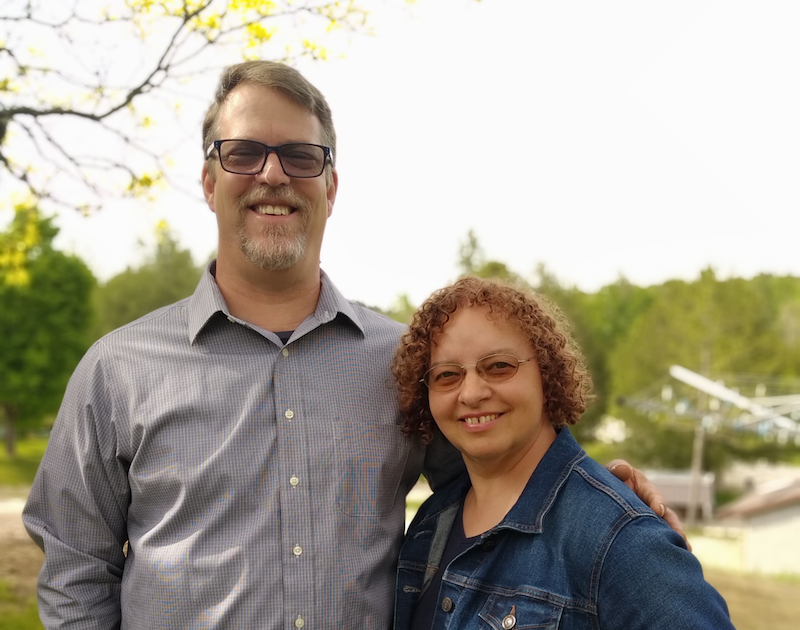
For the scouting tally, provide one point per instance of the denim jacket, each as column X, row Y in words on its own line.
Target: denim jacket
column 578, row 550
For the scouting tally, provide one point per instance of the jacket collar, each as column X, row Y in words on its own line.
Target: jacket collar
column 536, row 499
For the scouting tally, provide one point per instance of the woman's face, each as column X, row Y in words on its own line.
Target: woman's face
column 492, row 423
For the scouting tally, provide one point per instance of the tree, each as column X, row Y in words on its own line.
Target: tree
column 77, row 123
column 45, row 313
column 167, row 275
column 473, row 262
column 402, row 310
column 712, row 327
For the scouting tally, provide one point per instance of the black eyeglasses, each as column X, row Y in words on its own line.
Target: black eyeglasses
column 248, row 157
column 494, row 368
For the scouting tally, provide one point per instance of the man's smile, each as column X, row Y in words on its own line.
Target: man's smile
column 272, row 209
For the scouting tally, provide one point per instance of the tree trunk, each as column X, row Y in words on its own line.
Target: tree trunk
column 10, row 413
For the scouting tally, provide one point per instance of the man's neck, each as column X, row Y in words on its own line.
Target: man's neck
column 272, row 300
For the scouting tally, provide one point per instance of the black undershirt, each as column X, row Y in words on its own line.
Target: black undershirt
column 284, row 335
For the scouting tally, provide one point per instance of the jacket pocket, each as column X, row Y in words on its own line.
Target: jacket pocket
column 517, row 612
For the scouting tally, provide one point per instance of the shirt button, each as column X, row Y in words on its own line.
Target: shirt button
column 289, row 414
column 297, row 550
column 285, row 352
column 231, row 320
column 447, row 604
column 294, row 480
column 299, row 623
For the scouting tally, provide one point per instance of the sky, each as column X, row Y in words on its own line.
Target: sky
column 645, row 140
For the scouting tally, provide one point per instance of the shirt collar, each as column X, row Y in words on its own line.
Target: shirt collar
column 207, row 301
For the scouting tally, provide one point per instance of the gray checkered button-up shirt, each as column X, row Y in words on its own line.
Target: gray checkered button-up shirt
column 260, row 485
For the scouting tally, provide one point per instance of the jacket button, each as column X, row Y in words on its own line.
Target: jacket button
column 509, row 621
column 447, row 604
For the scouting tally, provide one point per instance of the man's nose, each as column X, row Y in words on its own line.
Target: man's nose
column 272, row 173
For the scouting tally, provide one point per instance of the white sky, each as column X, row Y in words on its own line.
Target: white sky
column 643, row 139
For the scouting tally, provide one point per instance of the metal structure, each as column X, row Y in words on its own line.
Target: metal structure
column 716, row 407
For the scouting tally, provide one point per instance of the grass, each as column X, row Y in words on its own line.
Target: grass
column 19, row 470
column 17, row 611
column 757, row 602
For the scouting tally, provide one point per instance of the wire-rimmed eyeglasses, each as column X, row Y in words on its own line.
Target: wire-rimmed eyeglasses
column 492, row 368
column 248, row 157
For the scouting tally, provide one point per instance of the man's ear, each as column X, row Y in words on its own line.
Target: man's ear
column 332, row 188
column 209, row 184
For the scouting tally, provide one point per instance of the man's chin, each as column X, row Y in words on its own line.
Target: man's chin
column 272, row 259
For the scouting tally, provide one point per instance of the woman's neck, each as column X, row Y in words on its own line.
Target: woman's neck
column 496, row 488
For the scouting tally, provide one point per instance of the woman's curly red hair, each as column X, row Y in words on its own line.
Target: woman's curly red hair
column 565, row 380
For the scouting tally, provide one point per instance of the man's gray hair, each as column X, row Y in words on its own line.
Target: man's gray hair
column 277, row 76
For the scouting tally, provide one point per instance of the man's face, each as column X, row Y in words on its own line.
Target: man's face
column 269, row 219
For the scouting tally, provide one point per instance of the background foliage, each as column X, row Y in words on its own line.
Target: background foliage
column 45, row 314
column 167, row 275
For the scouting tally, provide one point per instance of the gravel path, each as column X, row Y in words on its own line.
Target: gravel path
column 20, row 558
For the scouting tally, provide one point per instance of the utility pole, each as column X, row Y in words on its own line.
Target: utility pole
column 696, row 470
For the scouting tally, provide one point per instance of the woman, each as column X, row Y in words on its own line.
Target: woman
column 535, row 534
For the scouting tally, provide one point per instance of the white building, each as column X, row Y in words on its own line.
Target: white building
column 676, row 488
column 769, row 519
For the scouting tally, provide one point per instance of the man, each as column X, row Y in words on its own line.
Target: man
column 245, row 441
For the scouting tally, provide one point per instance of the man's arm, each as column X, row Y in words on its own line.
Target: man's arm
column 443, row 462
column 77, row 508
column 647, row 492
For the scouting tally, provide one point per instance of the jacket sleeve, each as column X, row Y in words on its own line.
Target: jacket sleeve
column 76, row 511
column 649, row 580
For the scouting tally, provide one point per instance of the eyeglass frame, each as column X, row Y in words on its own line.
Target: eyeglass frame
column 216, row 144
column 477, row 371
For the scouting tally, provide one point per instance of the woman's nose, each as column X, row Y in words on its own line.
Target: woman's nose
column 473, row 388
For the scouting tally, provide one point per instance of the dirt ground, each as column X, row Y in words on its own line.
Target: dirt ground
column 20, row 558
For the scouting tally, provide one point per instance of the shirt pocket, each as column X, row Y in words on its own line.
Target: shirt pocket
column 518, row 612
column 371, row 459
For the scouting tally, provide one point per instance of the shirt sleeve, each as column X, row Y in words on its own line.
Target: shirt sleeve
column 443, row 462
column 77, row 508
column 649, row 580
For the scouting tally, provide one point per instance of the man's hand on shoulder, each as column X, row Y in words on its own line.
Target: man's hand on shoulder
column 647, row 492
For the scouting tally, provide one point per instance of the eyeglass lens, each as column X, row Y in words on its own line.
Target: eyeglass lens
column 247, row 157
column 447, row 376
